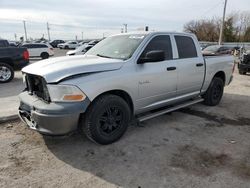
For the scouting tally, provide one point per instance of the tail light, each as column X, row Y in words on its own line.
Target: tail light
column 26, row 55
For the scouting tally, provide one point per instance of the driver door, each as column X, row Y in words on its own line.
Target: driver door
column 157, row 80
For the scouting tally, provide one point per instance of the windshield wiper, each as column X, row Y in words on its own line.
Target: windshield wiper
column 103, row 56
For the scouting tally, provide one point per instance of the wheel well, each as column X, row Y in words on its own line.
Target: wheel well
column 221, row 75
column 7, row 61
column 123, row 94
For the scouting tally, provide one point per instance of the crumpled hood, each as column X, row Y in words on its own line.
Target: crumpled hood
column 56, row 69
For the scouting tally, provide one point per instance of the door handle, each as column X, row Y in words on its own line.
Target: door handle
column 171, row 68
column 199, row 64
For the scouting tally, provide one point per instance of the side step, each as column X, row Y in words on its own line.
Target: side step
column 161, row 112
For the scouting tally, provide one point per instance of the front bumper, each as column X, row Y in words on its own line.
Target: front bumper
column 50, row 118
column 18, row 65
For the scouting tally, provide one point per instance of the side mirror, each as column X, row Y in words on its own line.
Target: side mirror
column 152, row 56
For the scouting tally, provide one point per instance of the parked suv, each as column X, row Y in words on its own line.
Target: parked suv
column 54, row 43
column 68, row 45
column 39, row 50
column 141, row 75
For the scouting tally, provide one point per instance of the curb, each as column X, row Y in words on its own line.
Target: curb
column 8, row 118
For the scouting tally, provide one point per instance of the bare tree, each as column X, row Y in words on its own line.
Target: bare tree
column 205, row 30
column 236, row 27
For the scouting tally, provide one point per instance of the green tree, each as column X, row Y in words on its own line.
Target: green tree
column 229, row 34
column 247, row 35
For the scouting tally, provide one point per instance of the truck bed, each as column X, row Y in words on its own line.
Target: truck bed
column 214, row 64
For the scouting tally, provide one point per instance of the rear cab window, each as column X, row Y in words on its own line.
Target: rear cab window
column 186, row 47
column 4, row 43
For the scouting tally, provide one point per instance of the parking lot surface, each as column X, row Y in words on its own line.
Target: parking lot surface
column 198, row 146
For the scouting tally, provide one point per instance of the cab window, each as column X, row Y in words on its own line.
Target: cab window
column 186, row 47
column 161, row 42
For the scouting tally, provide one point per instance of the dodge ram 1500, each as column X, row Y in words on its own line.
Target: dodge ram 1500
column 140, row 75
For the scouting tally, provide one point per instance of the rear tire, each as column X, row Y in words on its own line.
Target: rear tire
column 213, row 95
column 6, row 73
column 106, row 120
column 44, row 55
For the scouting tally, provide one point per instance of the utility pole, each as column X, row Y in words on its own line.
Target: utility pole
column 25, row 31
column 15, row 37
column 125, row 28
column 222, row 23
column 48, row 30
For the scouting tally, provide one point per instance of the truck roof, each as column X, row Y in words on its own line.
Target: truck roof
column 156, row 32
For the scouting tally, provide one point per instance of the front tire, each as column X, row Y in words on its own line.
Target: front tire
column 6, row 73
column 106, row 120
column 242, row 72
column 214, row 93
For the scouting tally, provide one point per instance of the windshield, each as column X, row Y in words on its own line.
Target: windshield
column 212, row 48
column 117, row 47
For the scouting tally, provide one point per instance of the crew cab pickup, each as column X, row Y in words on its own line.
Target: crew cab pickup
column 11, row 58
column 141, row 75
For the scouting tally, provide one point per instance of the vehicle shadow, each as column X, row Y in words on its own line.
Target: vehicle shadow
column 35, row 59
column 142, row 158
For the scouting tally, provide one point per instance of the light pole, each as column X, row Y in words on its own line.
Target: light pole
column 125, row 28
column 25, row 31
column 222, row 23
column 48, row 30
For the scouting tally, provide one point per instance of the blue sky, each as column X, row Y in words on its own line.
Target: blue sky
column 96, row 18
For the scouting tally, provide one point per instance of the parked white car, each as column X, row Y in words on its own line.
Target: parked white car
column 39, row 50
column 80, row 50
column 68, row 45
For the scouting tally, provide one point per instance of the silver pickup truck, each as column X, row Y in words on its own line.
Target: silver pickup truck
column 141, row 75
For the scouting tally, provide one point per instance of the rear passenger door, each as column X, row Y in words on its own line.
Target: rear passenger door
column 190, row 64
column 37, row 50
